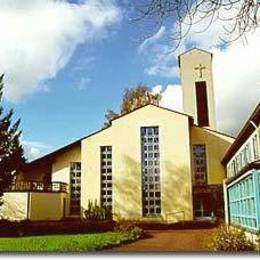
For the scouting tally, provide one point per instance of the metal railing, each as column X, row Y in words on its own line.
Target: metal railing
column 38, row 186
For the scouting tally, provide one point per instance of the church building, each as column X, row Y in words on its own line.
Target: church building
column 152, row 164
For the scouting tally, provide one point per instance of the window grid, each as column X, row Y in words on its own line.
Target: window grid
column 106, row 176
column 200, row 163
column 242, row 202
column 248, row 154
column 151, row 190
column 75, row 186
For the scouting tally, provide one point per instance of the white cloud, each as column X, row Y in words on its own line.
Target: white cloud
column 40, row 36
column 34, row 150
column 153, row 39
column 158, row 56
column 171, row 97
column 237, row 83
column 83, row 83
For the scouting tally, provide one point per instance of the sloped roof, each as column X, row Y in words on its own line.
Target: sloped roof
column 245, row 132
column 191, row 50
column 51, row 155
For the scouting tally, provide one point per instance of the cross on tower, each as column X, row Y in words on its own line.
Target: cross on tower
column 200, row 68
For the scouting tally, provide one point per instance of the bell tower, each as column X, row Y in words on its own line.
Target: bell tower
column 197, row 85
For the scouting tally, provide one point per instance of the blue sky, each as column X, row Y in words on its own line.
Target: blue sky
column 92, row 82
column 69, row 64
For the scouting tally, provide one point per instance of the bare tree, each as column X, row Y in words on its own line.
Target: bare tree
column 241, row 16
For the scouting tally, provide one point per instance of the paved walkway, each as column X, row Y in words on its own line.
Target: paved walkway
column 169, row 240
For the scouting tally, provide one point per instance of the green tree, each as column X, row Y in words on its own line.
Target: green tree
column 11, row 151
column 133, row 98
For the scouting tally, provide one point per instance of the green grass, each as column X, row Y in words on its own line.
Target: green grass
column 62, row 243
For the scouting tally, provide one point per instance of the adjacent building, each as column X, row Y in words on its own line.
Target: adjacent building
column 242, row 186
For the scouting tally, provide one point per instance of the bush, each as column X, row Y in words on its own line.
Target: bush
column 258, row 240
column 97, row 213
column 230, row 239
column 131, row 228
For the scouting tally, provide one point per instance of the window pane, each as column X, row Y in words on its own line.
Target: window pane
column 150, row 170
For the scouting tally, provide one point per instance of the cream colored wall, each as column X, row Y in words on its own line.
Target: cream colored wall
column 15, row 205
column 124, row 136
column 47, row 206
column 61, row 164
column 188, row 61
column 216, row 146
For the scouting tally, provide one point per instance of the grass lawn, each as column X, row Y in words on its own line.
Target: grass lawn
column 62, row 243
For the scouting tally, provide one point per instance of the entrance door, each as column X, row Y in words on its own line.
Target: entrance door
column 204, row 206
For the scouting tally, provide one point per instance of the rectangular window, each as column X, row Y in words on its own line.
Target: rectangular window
column 75, row 187
column 151, row 190
column 256, row 147
column 200, row 164
column 106, row 176
column 202, row 103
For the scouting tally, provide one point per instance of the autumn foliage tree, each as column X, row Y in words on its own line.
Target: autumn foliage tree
column 11, row 151
column 133, row 98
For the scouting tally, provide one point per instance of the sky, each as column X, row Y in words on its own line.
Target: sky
column 67, row 62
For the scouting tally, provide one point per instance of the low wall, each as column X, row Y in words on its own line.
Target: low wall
column 15, row 206
column 35, row 206
column 48, row 206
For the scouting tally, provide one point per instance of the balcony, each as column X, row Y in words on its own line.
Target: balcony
column 38, row 186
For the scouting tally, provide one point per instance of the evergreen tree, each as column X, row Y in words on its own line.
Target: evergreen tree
column 11, row 151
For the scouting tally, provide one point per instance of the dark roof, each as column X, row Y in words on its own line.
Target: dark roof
column 248, row 167
column 243, row 135
column 190, row 50
column 51, row 155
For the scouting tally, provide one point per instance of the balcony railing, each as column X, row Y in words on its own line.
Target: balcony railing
column 38, row 186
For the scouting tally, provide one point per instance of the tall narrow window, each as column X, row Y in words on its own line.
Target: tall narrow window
column 200, row 164
column 202, row 103
column 151, row 188
column 75, row 187
column 256, row 147
column 106, row 176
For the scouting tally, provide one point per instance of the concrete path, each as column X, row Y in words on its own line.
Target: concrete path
column 169, row 240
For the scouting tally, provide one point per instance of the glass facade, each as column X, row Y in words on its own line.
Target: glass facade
column 106, row 176
column 151, row 189
column 244, row 201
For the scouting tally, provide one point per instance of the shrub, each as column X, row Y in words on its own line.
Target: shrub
column 131, row 228
column 230, row 239
column 258, row 240
column 97, row 213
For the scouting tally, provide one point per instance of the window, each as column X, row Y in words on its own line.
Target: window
column 150, row 171
column 106, row 176
column 75, row 187
column 256, row 147
column 202, row 103
column 200, row 164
